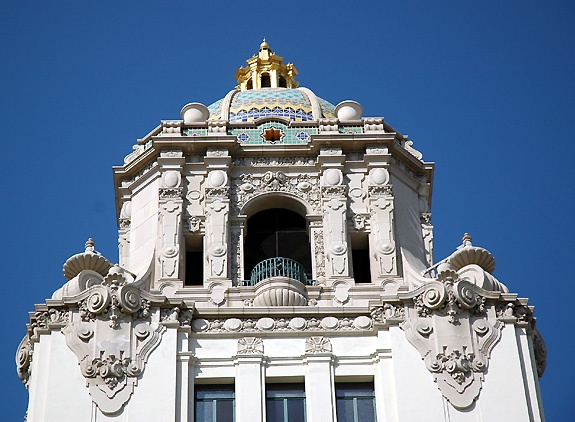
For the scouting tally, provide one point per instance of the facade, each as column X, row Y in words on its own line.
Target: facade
column 276, row 264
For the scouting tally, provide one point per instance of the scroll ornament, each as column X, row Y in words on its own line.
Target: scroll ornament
column 454, row 330
column 119, row 311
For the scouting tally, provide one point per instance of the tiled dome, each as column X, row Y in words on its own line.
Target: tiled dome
column 297, row 104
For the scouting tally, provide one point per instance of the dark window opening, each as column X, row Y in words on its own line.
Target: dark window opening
column 250, row 84
column 266, row 81
column 214, row 403
column 355, row 402
column 194, row 274
column 282, row 83
column 274, row 233
column 285, row 403
column 360, row 257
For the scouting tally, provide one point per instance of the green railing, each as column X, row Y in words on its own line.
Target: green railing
column 278, row 267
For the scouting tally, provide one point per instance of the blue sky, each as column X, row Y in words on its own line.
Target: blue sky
column 484, row 89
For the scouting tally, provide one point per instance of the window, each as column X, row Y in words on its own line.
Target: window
column 194, row 275
column 285, row 402
column 266, row 81
column 360, row 257
column 277, row 232
column 282, row 83
column 355, row 402
column 214, row 403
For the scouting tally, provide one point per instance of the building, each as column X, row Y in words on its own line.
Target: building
column 276, row 264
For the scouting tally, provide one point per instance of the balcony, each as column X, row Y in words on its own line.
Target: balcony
column 279, row 282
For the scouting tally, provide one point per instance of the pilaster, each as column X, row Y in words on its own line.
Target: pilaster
column 218, row 163
column 169, row 245
column 381, row 207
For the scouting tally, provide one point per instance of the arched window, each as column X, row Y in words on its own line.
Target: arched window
column 266, row 81
column 250, row 84
column 282, row 83
column 276, row 232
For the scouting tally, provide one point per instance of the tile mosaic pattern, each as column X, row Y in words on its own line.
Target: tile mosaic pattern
column 247, row 106
column 215, row 110
column 291, row 135
column 195, row 132
column 327, row 108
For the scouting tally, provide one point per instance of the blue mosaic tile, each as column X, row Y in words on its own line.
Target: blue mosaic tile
column 291, row 135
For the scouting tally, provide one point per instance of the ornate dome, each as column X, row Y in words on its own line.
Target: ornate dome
column 298, row 104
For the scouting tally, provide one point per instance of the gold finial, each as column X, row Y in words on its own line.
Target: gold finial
column 264, row 45
column 266, row 70
column 90, row 246
column 466, row 240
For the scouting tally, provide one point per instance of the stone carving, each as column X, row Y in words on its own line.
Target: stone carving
column 88, row 260
column 408, row 145
column 236, row 240
column 194, row 223
column 359, row 221
column 383, row 232
column 317, row 345
column 266, row 324
column 138, row 149
column 24, row 359
column 274, row 161
column 114, row 309
column 216, row 235
column 387, row 312
column 170, row 193
column 250, row 346
column 249, row 186
column 319, row 254
column 450, row 326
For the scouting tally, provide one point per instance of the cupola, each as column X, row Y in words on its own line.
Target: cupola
column 266, row 70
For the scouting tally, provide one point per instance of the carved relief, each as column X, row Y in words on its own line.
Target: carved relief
column 24, row 360
column 250, row 346
column 119, row 311
column 266, row 324
column 451, row 328
column 216, row 236
column 319, row 254
column 249, row 186
column 383, row 236
column 274, row 161
column 317, row 345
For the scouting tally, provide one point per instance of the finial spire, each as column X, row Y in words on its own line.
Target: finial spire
column 466, row 240
column 90, row 246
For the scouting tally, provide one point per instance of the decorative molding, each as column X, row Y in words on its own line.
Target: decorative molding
column 249, row 186
column 267, row 324
column 274, row 161
column 171, row 193
column 317, row 345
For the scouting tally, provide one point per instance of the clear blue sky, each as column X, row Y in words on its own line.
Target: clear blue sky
column 484, row 88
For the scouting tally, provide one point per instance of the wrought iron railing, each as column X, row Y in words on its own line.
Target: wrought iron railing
column 278, row 267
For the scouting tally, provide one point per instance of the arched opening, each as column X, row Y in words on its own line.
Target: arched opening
column 276, row 232
column 250, row 85
column 266, row 81
column 282, row 83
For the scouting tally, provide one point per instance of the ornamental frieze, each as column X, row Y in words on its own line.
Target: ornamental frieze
column 249, row 186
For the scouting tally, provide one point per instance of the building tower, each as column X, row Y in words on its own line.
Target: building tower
column 276, row 264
